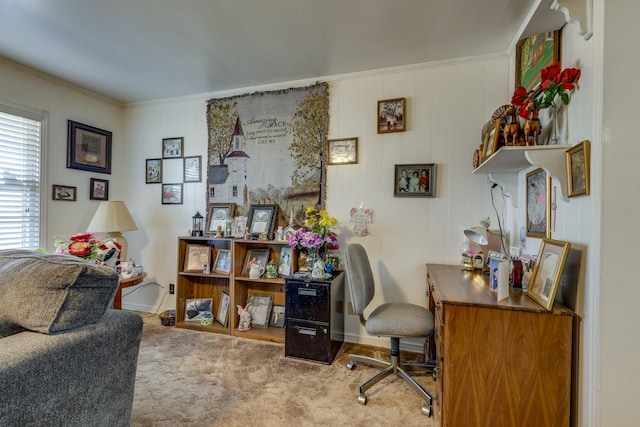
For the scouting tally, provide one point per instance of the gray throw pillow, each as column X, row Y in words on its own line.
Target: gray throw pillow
column 50, row 293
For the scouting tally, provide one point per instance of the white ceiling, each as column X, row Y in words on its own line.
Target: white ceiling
column 140, row 50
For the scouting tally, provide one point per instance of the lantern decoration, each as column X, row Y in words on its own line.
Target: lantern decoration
column 197, row 225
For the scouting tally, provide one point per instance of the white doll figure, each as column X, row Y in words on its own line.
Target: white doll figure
column 245, row 318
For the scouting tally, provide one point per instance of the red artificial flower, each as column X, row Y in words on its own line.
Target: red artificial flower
column 552, row 72
column 568, row 77
column 81, row 237
column 79, row 248
column 519, row 96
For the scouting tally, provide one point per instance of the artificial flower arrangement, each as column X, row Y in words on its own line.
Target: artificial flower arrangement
column 555, row 86
column 90, row 247
column 317, row 233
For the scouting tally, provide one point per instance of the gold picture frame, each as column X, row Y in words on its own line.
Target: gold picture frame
column 547, row 271
column 392, row 115
column 538, row 204
column 532, row 55
column 578, row 169
column 491, row 139
column 196, row 258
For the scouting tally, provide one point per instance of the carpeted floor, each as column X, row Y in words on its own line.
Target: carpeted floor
column 190, row 378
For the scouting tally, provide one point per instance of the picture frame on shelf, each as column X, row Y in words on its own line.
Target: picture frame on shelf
column 547, row 271
column 260, row 309
column 538, row 204
column 491, row 139
column 65, row 193
column 222, row 263
column 415, row 180
column 171, row 194
column 239, row 227
column 172, row 148
column 391, row 115
column 262, row 219
column 218, row 215
column 196, row 258
column 88, row 148
column 153, row 171
column 534, row 53
column 99, row 189
column 278, row 318
column 286, row 261
column 192, row 169
column 342, row 151
column 194, row 308
column 223, row 309
column 578, row 160
column 253, row 257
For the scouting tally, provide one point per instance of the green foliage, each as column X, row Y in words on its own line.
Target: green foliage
column 221, row 121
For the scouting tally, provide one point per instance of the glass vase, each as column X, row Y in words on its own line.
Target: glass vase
column 553, row 136
column 312, row 256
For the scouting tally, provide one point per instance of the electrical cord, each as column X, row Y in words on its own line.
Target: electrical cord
column 504, row 249
column 137, row 288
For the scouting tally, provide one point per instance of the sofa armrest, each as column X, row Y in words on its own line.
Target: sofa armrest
column 84, row 376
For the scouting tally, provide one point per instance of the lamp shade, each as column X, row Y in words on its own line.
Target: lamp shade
column 110, row 217
column 478, row 234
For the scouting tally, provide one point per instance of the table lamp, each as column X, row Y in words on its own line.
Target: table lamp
column 112, row 218
column 478, row 234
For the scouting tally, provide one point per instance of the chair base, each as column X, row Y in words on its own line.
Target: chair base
column 394, row 367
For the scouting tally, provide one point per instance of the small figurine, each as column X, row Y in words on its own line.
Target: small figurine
column 318, row 270
column 263, row 235
column 245, row 318
column 219, row 231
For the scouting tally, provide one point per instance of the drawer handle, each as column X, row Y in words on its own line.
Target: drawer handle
column 307, row 292
column 306, row 331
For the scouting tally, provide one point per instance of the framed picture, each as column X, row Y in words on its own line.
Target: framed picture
column 491, row 140
column 171, row 194
column 262, row 219
column 547, row 271
column 258, row 257
column 391, row 115
column 538, row 203
column 64, row 192
column 342, row 151
column 218, row 215
column 223, row 309
column 172, row 148
column 284, row 265
column 195, row 308
column 532, row 55
column 277, row 316
column 415, row 180
column 260, row 309
column 578, row 169
column 223, row 261
column 99, row 189
column 153, row 171
column 196, row 258
column 192, row 169
column 239, row 227
column 88, row 148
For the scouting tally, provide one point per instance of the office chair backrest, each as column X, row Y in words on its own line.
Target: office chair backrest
column 361, row 284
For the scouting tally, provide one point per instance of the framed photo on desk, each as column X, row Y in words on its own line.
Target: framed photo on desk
column 547, row 271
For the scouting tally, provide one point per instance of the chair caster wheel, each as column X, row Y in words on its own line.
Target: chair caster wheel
column 362, row 399
column 426, row 410
column 351, row 365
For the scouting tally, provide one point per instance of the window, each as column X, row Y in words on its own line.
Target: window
column 235, row 191
column 20, row 175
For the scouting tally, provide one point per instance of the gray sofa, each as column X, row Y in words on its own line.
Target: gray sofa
column 66, row 357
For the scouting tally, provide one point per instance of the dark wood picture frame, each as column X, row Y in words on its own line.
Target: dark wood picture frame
column 578, row 169
column 547, row 271
column 392, row 115
column 171, row 194
column 192, row 169
column 222, row 263
column 65, row 193
column 534, row 53
column 261, row 258
column 277, row 318
column 415, row 180
column 218, row 215
column 153, row 171
column 343, row 151
column 262, row 218
column 172, row 148
column 538, row 204
column 88, row 148
column 99, row 189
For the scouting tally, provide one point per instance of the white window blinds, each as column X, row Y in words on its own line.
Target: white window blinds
column 20, row 157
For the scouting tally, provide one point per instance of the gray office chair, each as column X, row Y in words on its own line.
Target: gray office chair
column 395, row 320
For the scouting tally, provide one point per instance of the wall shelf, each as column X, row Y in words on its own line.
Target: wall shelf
column 503, row 166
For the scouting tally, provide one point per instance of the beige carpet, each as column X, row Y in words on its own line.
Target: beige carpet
column 190, row 378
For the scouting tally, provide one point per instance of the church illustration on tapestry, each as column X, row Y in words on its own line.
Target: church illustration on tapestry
column 228, row 181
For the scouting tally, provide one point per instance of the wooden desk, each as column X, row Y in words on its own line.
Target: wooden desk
column 125, row 283
column 502, row 363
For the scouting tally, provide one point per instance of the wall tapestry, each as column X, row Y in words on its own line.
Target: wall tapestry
column 268, row 148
